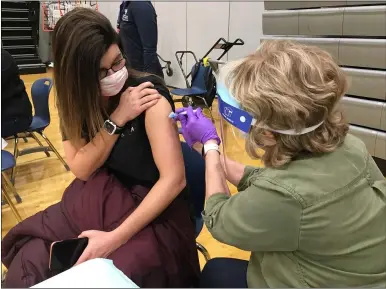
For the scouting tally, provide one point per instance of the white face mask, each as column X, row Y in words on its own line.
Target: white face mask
column 112, row 84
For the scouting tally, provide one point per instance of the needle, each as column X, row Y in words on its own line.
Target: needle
column 173, row 115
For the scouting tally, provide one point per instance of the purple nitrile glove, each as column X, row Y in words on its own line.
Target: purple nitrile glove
column 183, row 120
column 196, row 127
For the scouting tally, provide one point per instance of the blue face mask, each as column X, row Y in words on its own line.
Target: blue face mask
column 230, row 109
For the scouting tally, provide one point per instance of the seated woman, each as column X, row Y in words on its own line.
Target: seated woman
column 129, row 197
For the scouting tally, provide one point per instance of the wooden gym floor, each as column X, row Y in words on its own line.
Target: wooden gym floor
column 41, row 180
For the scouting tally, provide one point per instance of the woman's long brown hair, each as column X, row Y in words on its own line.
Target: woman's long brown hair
column 80, row 39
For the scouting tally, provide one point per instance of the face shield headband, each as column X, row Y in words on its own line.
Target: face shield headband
column 230, row 110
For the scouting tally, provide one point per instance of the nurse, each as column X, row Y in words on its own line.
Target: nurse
column 315, row 215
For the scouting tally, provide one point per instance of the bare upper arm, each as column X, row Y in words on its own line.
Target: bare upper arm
column 165, row 143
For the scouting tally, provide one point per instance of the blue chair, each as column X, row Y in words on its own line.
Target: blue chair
column 40, row 93
column 195, row 178
column 199, row 88
column 8, row 162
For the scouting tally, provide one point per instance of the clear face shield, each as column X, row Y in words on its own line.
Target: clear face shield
column 234, row 127
column 235, row 124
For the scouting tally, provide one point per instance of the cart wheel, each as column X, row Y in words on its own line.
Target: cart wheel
column 169, row 71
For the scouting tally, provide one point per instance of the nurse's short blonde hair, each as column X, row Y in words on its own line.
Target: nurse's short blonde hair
column 286, row 85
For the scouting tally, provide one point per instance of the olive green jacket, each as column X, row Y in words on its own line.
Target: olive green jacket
column 319, row 221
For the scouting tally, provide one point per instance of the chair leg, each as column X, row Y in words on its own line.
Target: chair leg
column 3, row 276
column 55, row 151
column 11, row 205
column 15, row 154
column 203, row 251
column 210, row 109
column 39, row 143
column 8, row 183
column 211, row 115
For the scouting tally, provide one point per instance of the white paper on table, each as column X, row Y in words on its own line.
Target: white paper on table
column 3, row 143
column 95, row 273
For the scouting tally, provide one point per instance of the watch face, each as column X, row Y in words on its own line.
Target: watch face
column 109, row 127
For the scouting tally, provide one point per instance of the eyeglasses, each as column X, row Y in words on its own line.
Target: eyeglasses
column 117, row 65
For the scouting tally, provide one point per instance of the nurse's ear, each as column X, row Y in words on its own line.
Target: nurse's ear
column 269, row 139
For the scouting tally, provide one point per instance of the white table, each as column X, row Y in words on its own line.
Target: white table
column 96, row 273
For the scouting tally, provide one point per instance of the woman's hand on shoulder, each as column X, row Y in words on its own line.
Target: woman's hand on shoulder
column 134, row 101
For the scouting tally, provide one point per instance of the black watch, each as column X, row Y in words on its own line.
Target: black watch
column 111, row 128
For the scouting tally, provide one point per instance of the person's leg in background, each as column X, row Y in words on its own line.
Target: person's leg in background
column 224, row 273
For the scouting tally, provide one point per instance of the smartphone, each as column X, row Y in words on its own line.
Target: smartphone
column 64, row 254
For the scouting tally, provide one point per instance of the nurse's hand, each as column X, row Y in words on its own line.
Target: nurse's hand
column 196, row 128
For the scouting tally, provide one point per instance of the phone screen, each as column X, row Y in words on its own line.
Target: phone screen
column 65, row 254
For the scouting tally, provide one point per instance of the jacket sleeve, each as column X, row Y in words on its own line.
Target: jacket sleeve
column 262, row 217
column 245, row 181
column 146, row 20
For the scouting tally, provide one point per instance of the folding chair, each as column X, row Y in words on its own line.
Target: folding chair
column 40, row 92
column 202, row 89
column 8, row 162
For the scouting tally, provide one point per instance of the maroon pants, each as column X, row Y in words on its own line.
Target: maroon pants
column 161, row 255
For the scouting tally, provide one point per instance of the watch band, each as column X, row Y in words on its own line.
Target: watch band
column 210, row 147
column 118, row 129
column 111, row 128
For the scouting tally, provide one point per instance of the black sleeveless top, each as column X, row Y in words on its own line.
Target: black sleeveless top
column 131, row 158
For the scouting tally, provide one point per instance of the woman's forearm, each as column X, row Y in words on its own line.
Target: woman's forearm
column 91, row 157
column 155, row 202
column 234, row 171
column 214, row 175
